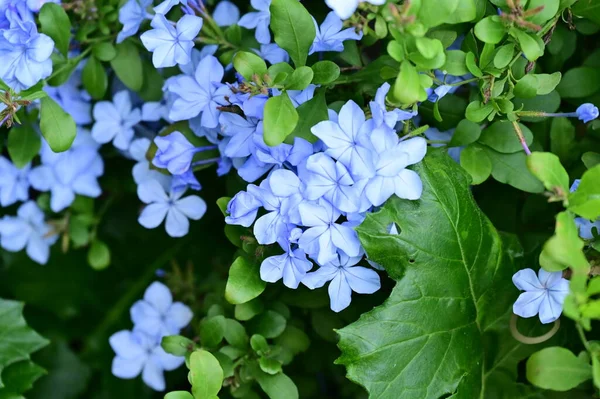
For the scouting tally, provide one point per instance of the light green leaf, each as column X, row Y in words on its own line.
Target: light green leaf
column 456, row 63
column 23, row 144
column 407, row 89
column 475, row 160
column 548, row 169
column 541, row 84
column 235, row 334
column 564, row 248
column 17, row 340
column 293, row 28
column 94, row 78
column 557, row 369
column 512, row 169
column 325, row 72
column 128, row 65
column 212, row 331
column 504, row 55
column 249, row 64
column 394, row 346
column 501, row 137
column 104, row 51
column 579, row 82
column 244, row 282
column 56, row 24
column 278, row 386
column 472, row 65
column 177, row 345
column 585, row 201
column 429, row 48
column 433, row 12
column 477, row 111
column 531, row 45
column 269, row 366
column 246, row 311
column 590, row 159
column 465, row 12
column 99, row 255
column 179, row 395
column 300, row 78
column 58, row 127
column 490, row 30
column 206, row 375
column 281, row 119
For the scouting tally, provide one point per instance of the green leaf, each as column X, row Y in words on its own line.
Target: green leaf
column 179, row 395
column 512, row 169
column 246, row 311
column 55, row 23
column 477, row 111
column 177, row 345
column 564, row 248
column 456, row 63
column 466, row 132
column 58, row 127
column 94, row 78
column 465, row 12
column 280, row 120
column 548, row 169
column 557, row 369
column 429, row 48
column 269, row 324
column 249, row 64
column 259, row 344
column 206, row 375
column 19, row 378
column 18, row 341
column 590, row 159
column 294, row 339
column 504, row 55
column 310, row 113
column 394, row 346
column 278, row 386
column 23, row 144
column 531, row 45
column 501, row 137
column 269, row 366
column 104, row 51
column 587, row 9
column 433, row 12
column 541, row 84
column 293, row 28
column 562, row 140
column 579, row 82
column 325, row 72
column 472, row 65
column 62, row 68
column 300, row 78
column 549, row 10
column 490, row 30
column 585, row 201
column 407, row 89
column 235, row 334
column 244, row 282
column 212, row 331
column 475, row 160
column 128, row 65
column 99, row 255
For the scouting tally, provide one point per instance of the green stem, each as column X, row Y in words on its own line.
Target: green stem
column 586, row 344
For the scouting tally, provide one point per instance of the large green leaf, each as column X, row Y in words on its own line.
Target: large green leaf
column 17, row 340
column 293, row 28
column 425, row 341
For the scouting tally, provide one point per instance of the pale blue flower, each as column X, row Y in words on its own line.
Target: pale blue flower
column 201, row 94
column 165, row 6
column 242, row 209
column 175, row 209
column 345, row 8
column 243, row 133
column 259, row 20
column 137, row 352
column 324, row 236
column 13, row 13
column 157, row 315
column 141, row 170
column 291, row 267
column 25, row 56
column 131, row 15
column 264, row 159
column 36, row 5
column 169, row 44
column 272, row 53
column 14, row 182
column 69, row 173
column 115, row 121
column 381, row 116
column 330, row 36
column 434, row 134
column 587, row 112
column 196, row 57
column 226, row 13
column 544, row 294
column 184, row 181
column 175, row 153
column 154, row 111
column 345, row 277
column 28, row 230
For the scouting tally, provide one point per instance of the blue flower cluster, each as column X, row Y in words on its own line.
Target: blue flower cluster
column 139, row 351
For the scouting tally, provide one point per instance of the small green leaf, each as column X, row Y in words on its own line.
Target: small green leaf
column 293, row 28
column 244, row 282
column 269, row 366
column 557, row 369
column 501, row 137
column 177, row 345
column 541, row 84
column 212, row 331
column 585, row 201
column 128, row 65
column 466, row 132
column 456, row 63
column 280, row 120
column 549, row 10
column 429, row 48
column 475, row 160
column 179, row 395
column 249, row 64
column 104, row 51
column 472, row 65
column 490, row 30
column 235, row 334
column 531, row 45
column 310, row 113
column 23, row 145
column 269, row 324
column 206, row 375
column 325, row 72
column 246, row 311
column 259, row 344
column 504, row 55
column 99, row 255
column 62, row 68
column 547, row 167
column 277, row 386
column 94, row 78
column 434, row 12
column 58, row 127
column 56, row 24
column 564, row 248
column 478, row 111
column 590, row 159
column 300, row 78
column 579, row 82
column 407, row 89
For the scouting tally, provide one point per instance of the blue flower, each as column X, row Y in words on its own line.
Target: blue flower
column 272, row 53
column 544, row 294
column 131, row 15
column 242, row 209
column 14, row 183
column 14, row 12
column 345, row 8
column 141, row 170
column 331, row 37
column 380, row 113
column 157, row 315
column 175, row 209
column 264, row 159
column 137, row 352
column 226, row 13
column 584, row 226
column 25, row 56
column 259, row 20
column 201, row 94
column 175, row 153
column 36, row 5
column 28, row 230
column 324, row 237
column 346, row 140
column 184, row 181
column 434, row 134
column 73, row 98
column 68, row 173
column 115, row 121
column 171, row 45
column 345, row 278
column 587, row 112
column 165, row 6
column 243, row 133
column 291, row 266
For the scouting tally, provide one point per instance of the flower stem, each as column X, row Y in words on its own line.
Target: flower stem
column 519, row 133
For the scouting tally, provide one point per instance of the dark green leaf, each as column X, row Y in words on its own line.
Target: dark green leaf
column 579, row 82
column 94, row 78
column 235, row 334
column 212, row 331
column 56, row 24
column 310, row 113
column 590, row 159
column 128, row 65
column 325, row 72
column 246, row 311
column 23, row 144
column 475, row 160
column 177, row 345
column 277, row 386
column 456, row 63
column 501, row 137
column 293, row 28
column 58, row 127
column 466, row 132
column 587, row 9
column 19, row 378
column 512, row 169
column 104, row 51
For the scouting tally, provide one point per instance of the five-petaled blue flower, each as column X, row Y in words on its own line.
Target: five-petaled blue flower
column 544, row 294
column 114, row 121
column 14, row 182
column 131, row 15
column 331, row 37
column 259, row 19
